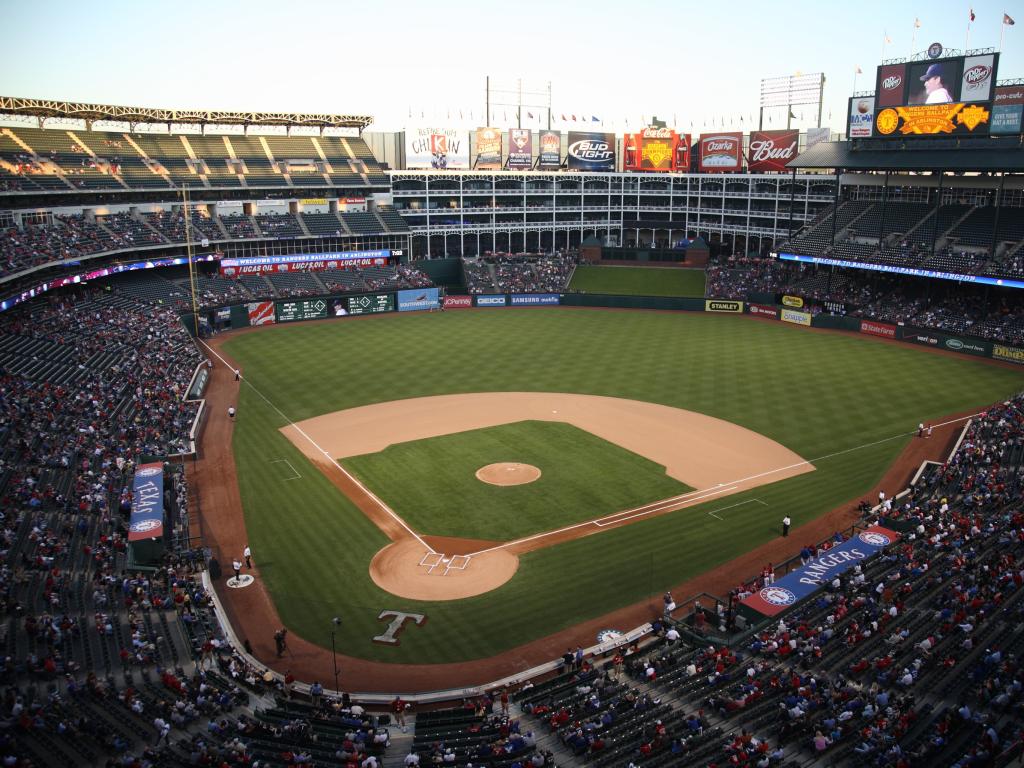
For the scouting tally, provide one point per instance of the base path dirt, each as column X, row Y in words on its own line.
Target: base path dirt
column 254, row 617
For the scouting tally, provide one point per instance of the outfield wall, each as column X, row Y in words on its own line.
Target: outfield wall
column 787, row 310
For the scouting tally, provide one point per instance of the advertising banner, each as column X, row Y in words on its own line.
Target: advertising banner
column 793, row 301
column 303, row 262
column 683, row 154
column 520, row 149
column 722, row 305
column 436, row 148
column 763, row 310
column 937, row 340
column 372, row 304
column 654, row 149
column 303, row 309
column 417, row 299
column 807, row 579
column 771, row 150
column 488, row 149
column 534, row 299
column 261, row 313
column 721, row 152
column 1010, row 354
column 1007, row 110
column 817, row 136
column 933, row 120
column 591, row 151
column 891, row 88
column 550, row 157
column 491, row 300
column 978, row 79
column 458, row 302
column 862, row 117
column 147, row 516
column 792, row 316
column 873, row 328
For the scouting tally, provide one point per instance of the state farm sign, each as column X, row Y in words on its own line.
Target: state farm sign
column 771, row 150
column 721, row 152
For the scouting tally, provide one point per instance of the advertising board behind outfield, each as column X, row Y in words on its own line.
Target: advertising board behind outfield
column 763, row 310
column 458, row 302
column 872, row 328
column 792, row 316
column 499, row 300
column 722, row 305
column 1011, row 354
column 418, row 299
column 533, row 299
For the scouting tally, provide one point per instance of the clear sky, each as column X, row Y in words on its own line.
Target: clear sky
column 692, row 63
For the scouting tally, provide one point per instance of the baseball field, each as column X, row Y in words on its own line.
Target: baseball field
column 479, row 433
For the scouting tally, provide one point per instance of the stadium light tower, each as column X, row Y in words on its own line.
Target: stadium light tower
column 789, row 92
column 336, row 621
column 190, row 251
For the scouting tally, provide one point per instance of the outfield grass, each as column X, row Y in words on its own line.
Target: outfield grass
column 431, row 483
column 639, row 281
column 816, row 393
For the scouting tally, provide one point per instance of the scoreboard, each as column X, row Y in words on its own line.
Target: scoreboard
column 305, row 309
column 372, row 303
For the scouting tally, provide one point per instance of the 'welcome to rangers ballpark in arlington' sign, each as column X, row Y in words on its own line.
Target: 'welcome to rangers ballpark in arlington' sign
column 804, row 580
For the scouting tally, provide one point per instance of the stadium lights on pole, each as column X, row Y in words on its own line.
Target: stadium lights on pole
column 336, row 621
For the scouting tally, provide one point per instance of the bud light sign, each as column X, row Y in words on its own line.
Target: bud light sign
column 771, row 150
column 591, row 151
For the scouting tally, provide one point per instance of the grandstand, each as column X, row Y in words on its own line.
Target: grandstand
column 911, row 657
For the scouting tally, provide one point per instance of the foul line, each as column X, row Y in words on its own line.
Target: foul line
column 278, row 461
column 328, row 456
column 664, row 504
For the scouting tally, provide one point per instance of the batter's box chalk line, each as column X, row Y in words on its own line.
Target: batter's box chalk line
column 438, row 561
column 713, row 512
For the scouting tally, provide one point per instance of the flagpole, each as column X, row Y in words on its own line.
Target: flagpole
column 1002, row 30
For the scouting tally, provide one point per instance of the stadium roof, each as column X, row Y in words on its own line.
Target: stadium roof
column 839, row 154
column 84, row 111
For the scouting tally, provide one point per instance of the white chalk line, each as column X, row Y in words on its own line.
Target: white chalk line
column 713, row 512
column 658, row 506
column 330, row 458
column 294, row 471
column 664, row 504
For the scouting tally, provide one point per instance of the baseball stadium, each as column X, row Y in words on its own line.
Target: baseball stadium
column 530, row 444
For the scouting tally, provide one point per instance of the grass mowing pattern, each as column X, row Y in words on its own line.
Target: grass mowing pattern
column 816, row 393
column 639, row 281
column 431, row 483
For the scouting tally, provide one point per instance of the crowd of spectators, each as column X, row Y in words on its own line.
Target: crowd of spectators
column 518, row 273
column 957, row 309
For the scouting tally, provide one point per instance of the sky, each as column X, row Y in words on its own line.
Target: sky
column 696, row 65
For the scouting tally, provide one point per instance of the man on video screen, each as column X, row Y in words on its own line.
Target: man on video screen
column 935, row 87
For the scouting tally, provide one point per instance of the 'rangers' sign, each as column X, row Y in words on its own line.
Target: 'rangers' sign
column 772, row 150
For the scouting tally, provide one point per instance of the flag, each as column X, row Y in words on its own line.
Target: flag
column 564, row 120
column 574, row 118
column 530, row 115
column 594, row 119
column 972, row 14
column 1007, row 20
column 791, row 115
column 917, row 23
column 888, row 40
column 860, row 71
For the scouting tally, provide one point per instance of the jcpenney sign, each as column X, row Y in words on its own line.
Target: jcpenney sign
column 771, row 150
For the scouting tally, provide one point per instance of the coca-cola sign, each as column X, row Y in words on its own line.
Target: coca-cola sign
column 772, row 150
column 721, row 152
column 657, row 133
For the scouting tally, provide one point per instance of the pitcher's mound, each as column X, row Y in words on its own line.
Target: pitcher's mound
column 403, row 568
column 508, row 473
